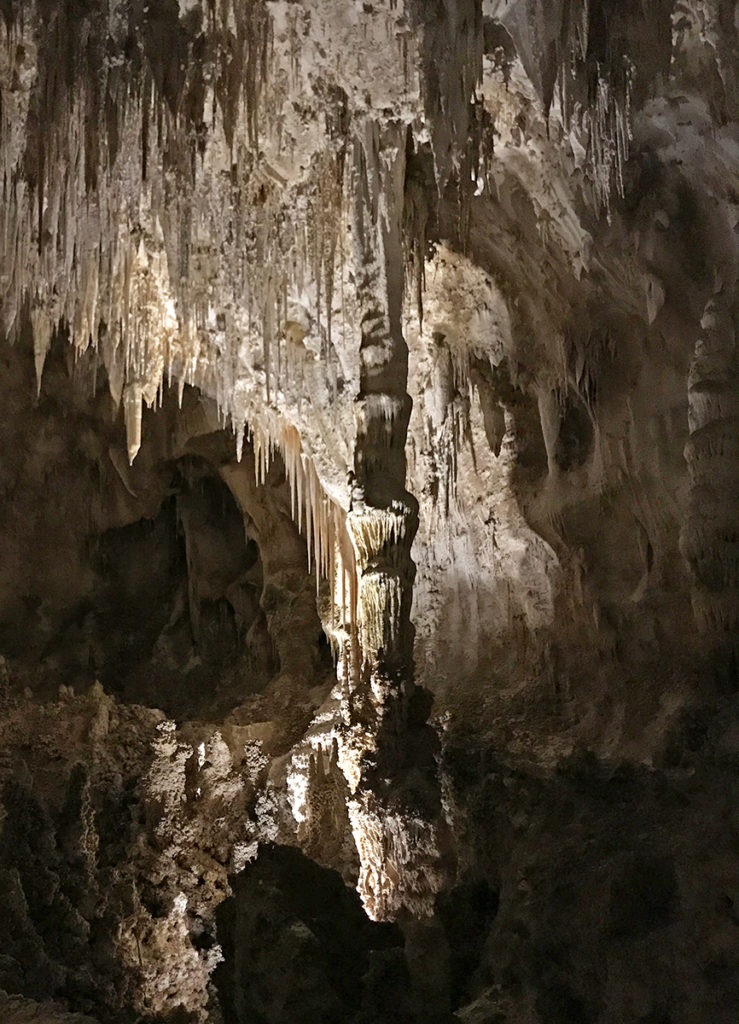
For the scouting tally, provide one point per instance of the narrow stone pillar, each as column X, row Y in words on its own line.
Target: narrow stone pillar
column 384, row 517
column 709, row 536
column 385, row 732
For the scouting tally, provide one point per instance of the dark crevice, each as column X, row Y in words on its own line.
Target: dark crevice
column 337, row 966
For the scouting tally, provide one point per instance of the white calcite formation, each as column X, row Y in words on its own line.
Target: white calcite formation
column 436, row 302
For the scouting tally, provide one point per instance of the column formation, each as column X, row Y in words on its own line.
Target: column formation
column 387, row 749
column 709, row 536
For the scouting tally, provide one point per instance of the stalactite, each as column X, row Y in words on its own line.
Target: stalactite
column 331, row 555
column 596, row 82
column 132, row 399
column 119, row 235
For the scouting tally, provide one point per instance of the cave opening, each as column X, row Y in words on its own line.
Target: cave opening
column 337, row 964
column 149, row 577
column 175, row 612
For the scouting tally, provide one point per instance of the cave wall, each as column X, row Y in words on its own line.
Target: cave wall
column 368, row 494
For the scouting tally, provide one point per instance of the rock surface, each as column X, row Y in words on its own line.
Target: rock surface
column 368, row 511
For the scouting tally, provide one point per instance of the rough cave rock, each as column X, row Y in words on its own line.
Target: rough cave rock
column 369, row 543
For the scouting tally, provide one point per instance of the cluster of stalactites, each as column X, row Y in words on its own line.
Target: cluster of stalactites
column 610, row 137
column 161, row 248
column 603, row 110
column 165, row 249
column 167, row 255
column 343, row 549
column 321, row 520
column 378, row 536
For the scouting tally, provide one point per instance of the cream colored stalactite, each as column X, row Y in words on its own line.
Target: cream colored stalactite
column 377, row 535
column 320, row 519
column 98, row 260
column 128, row 252
column 167, row 270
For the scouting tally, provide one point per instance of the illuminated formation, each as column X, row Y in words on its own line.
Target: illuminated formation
column 368, row 490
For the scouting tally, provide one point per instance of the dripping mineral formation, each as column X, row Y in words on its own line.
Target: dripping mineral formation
column 368, row 512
